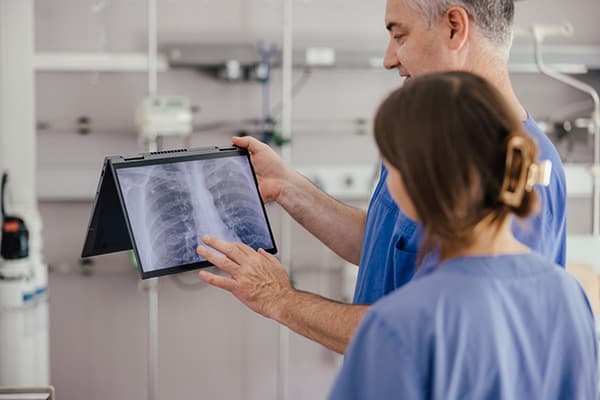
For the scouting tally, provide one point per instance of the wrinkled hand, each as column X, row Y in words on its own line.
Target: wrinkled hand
column 271, row 171
column 257, row 278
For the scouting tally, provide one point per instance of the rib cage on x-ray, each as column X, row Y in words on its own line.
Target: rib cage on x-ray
column 235, row 198
column 172, row 227
column 171, row 206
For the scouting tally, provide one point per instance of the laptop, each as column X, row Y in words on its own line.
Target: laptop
column 161, row 203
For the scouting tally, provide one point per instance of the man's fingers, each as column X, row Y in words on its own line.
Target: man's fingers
column 241, row 141
column 237, row 252
column 217, row 280
column 252, row 144
column 218, row 260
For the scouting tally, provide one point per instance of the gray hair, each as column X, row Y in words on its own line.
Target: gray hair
column 493, row 17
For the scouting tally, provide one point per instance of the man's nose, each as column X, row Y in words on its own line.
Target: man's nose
column 390, row 60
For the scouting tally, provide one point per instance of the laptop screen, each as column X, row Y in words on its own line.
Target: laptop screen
column 171, row 205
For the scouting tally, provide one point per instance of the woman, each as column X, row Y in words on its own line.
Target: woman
column 489, row 319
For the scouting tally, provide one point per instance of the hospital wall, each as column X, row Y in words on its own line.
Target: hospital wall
column 210, row 346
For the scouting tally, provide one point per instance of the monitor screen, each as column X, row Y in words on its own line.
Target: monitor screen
column 170, row 206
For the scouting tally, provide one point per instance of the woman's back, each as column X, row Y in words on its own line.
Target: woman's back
column 506, row 327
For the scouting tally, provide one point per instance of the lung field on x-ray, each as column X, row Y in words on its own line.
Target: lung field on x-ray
column 170, row 206
column 234, row 195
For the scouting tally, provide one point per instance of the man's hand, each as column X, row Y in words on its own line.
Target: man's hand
column 271, row 171
column 259, row 281
column 257, row 278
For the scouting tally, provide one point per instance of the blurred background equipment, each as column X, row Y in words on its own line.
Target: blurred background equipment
column 15, row 236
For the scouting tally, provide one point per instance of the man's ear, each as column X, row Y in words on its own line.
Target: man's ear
column 457, row 23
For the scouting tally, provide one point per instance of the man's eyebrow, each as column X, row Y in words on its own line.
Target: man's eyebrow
column 392, row 25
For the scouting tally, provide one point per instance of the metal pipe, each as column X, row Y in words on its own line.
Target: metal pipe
column 152, row 289
column 24, row 350
column 152, row 47
column 286, row 155
column 539, row 33
column 287, row 78
column 151, row 286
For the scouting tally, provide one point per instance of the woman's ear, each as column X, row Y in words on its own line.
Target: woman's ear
column 457, row 23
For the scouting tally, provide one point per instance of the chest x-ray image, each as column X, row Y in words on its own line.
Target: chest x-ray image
column 170, row 206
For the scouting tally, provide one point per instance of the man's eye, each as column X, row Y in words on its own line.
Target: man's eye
column 398, row 38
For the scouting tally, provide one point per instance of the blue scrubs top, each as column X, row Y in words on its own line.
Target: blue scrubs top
column 489, row 327
column 391, row 239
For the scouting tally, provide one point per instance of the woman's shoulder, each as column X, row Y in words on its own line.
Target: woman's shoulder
column 458, row 281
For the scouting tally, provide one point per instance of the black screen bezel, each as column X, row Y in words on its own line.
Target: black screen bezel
column 175, row 158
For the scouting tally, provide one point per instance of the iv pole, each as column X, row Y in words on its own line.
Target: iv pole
column 539, row 32
column 286, row 155
column 151, row 144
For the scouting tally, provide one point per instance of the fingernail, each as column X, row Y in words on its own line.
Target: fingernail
column 205, row 238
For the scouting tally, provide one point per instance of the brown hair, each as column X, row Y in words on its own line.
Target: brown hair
column 447, row 134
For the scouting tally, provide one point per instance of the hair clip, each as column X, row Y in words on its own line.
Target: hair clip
column 514, row 182
column 538, row 174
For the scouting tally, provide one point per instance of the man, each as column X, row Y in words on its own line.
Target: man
column 425, row 36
